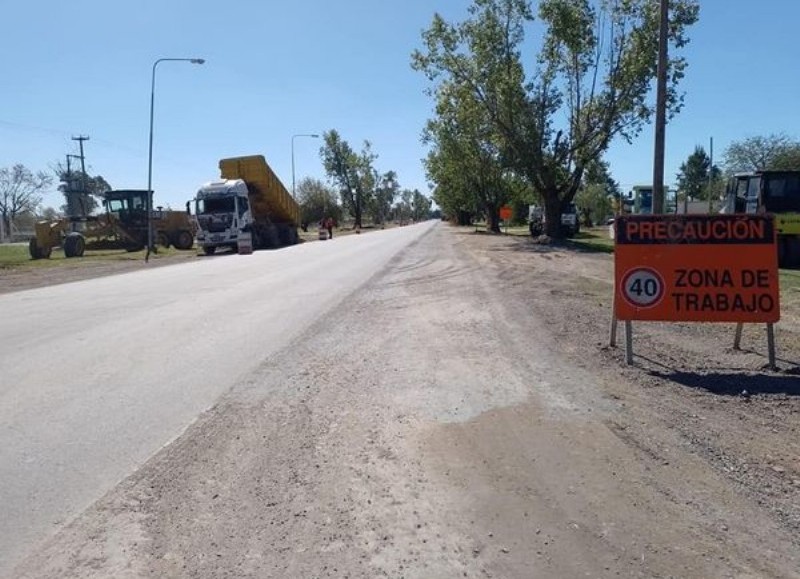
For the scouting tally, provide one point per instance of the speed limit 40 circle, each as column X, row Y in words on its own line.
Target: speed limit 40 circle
column 643, row 287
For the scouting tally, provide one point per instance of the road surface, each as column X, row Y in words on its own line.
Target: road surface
column 441, row 416
column 98, row 375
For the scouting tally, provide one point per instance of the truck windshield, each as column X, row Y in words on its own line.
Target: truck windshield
column 216, row 205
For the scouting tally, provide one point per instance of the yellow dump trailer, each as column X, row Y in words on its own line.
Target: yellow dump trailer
column 268, row 196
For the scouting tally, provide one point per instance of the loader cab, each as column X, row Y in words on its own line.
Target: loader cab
column 763, row 192
column 129, row 206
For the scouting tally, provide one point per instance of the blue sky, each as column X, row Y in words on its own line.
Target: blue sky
column 274, row 69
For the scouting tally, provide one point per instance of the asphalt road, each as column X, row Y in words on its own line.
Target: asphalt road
column 97, row 376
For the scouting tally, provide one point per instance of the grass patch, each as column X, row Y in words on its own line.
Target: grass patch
column 16, row 256
column 790, row 280
column 594, row 240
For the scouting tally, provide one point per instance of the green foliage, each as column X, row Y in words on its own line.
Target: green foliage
column 317, row 201
column 695, row 175
column 776, row 151
column 386, row 188
column 352, row 172
column 591, row 84
column 596, row 194
column 84, row 189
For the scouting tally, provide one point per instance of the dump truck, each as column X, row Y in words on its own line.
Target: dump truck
column 774, row 192
column 122, row 225
column 248, row 198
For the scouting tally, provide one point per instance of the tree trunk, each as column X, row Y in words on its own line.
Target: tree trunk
column 357, row 215
column 552, row 215
column 492, row 219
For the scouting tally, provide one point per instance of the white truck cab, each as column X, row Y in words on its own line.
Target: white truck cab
column 222, row 210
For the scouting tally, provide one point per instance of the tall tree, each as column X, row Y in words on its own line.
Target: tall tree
column 591, row 83
column 352, row 172
column 775, row 151
column 692, row 177
column 386, row 188
column 465, row 159
column 20, row 191
column 420, row 206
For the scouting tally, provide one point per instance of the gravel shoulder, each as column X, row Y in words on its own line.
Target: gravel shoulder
column 462, row 415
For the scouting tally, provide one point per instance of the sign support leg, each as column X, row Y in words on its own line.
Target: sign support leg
column 612, row 338
column 628, row 342
column 737, row 339
column 771, row 346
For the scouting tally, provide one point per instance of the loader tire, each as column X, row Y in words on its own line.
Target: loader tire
column 33, row 249
column 162, row 239
column 74, row 245
column 183, row 240
column 210, row 249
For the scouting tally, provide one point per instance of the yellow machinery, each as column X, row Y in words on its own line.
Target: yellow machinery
column 774, row 192
column 123, row 225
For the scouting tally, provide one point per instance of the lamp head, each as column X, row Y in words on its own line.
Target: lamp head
column 197, row 60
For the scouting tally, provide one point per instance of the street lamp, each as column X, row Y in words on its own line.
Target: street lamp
column 150, row 150
column 313, row 136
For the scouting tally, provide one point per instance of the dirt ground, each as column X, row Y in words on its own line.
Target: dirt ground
column 463, row 416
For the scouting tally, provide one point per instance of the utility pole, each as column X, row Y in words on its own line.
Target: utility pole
column 710, row 171
column 661, row 110
column 83, row 200
column 81, row 139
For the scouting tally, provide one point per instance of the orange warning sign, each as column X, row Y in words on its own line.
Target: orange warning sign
column 702, row 268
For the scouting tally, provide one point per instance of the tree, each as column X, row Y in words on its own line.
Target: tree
column 591, row 83
column 692, row 177
column 385, row 190
column 465, row 160
column 80, row 190
column 317, row 201
column 20, row 191
column 352, row 172
column 598, row 190
column 763, row 152
column 420, row 206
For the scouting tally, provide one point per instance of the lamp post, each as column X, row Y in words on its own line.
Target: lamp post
column 313, row 136
column 150, row 149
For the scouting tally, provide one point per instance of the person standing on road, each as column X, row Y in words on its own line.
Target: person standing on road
column 329, row 227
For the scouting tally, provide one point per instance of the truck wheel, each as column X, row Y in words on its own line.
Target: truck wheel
column 162, row 239
column 210, row 249
column 255, row 239
column 184, row 240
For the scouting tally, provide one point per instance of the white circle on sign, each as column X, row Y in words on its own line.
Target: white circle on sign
column 642, row 287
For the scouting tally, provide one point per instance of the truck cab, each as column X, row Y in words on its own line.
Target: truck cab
column 222, row 211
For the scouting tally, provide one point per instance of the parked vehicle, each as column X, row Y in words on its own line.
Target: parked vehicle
column 570, row 224
column 249, row 198
column 122, row 225
column 775, row 192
